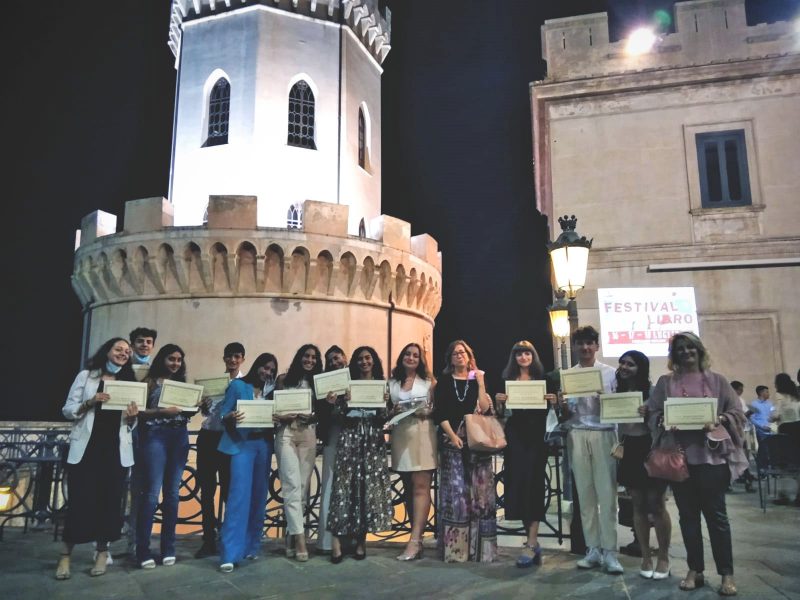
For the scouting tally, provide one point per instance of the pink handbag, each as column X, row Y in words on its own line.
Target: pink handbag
column 484, row 433
column 667, row 463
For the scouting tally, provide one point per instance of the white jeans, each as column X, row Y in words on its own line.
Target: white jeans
column 595, row 472
column 324, row 536
column 296, row 450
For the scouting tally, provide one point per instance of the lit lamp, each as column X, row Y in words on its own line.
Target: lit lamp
column 6, row 494
column 559, row 323
column 570, row 257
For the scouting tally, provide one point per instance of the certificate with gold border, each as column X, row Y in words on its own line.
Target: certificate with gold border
column 293, row 402
column 214, row 386
column 581, row 382
column 524, row 395
column 621, row 408
column 337, row 381
column 181, row 395
column 123, row 393
column 689, row 413
column 257, row 413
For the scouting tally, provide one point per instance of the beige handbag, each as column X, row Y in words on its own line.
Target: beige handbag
column 484, row 433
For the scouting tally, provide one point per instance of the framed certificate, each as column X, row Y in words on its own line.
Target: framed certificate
column 182, row 395
column 123, row 393
column 289, row 402
column 526, row 394
column 337, row 381
column 581, row 382
column 213, row 386
column 367, row 394
column 621, row 408
column 140, row 371
column 689, row 413
column 257, row 413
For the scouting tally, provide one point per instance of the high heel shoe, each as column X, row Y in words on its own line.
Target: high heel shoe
column 360, row 555
column 661, row 574
column 62, row 570
column 337, row 559
column 531, row 555
column 99, row 564
column 405, row 556
column 290, row 551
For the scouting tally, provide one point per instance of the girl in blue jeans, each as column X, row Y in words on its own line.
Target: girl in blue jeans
column 251, row 456
column 163, row 450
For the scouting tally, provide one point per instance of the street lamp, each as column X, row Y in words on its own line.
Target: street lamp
column 559, row 323
column 570, row 257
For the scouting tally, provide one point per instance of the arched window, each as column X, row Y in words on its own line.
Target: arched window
column 301, row 116
column 294, row 217
column 362, row 139
column 219, row 104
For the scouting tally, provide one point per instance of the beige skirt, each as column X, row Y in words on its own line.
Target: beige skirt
column 414, row 445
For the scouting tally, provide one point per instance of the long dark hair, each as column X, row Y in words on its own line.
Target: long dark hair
column 641, row 383
column 98, row 361
column 158, row 368
column 252, row 375
column 332, row 350
column 296, row 373
column 399, row 371
column 377, row 365
column 512, row 370
column 785, row 385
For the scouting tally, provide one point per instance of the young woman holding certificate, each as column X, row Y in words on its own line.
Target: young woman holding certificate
column 100, row 453
column 647, row 494
column 360, row 501
column 163, row 450
column 250, row 449
column 414, row 453
column 525, row 456
column 714, row 454
column 466, row 511
column 296, row 449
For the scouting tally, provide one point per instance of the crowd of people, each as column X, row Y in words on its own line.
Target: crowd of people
column 355, row 492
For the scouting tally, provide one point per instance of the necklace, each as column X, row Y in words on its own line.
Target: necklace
column 466, row 389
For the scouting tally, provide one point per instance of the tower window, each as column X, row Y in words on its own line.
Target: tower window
column 362, row 141
column 301, row 116
column 722, row 162
column 294, row 217
column 219, row 103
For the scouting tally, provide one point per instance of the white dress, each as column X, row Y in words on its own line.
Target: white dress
column 413, row 439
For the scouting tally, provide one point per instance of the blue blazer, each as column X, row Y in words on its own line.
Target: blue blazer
column 233, row 437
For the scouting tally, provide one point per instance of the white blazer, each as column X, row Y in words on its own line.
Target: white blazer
column 420, row 388
column 83, row 388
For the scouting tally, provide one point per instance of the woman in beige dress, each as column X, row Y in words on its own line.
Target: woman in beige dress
column 414, row 453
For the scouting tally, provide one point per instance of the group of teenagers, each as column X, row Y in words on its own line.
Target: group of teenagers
column 355, row 488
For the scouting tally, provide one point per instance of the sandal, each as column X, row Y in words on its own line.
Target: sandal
column 689, row 583
column 728, row 587
column 62, row 570
column 99, row 564
column 406, row 556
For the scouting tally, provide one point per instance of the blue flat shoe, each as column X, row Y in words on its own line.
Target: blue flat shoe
column 530, row 556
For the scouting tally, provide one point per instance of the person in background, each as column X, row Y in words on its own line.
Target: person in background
column 100, row 452
column 589, row 444
column 787, row 415
column 413, row 441
column 762, row 411
column 250, row 449
column 329, row 428
column 143, row 340
column 163, row 450
column 712, row 461
column 747, row 477
column 211, row 463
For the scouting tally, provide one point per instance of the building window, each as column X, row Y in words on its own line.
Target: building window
column 219, row 104
column 294, row 217
column 362, row 139
column 722, row 161
column 301, row 116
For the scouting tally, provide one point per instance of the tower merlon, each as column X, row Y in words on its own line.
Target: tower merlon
column 427, row 248
column 97, row 224
column 391, row 231
column 232, row 212
column 147, row 214
column 325, row 218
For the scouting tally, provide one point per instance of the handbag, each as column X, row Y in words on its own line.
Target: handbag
column 484, row 433
column 665, row 462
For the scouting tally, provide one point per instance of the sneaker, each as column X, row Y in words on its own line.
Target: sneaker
column 168, row 561
column 148, row 564
column 592, row 559
column 612, row 564
column 207, row 549
column 226, row 567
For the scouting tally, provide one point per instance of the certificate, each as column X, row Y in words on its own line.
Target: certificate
column 399, row 417
column 581, row 382
column 141, row 371
column 123, row 393
column 181, row 395
column 337, row 382
column 257, row 413
column 526, row 394
column 621, row 408
column 689, row 413
column 289, row 402
column 213, row 386
column 367, row 394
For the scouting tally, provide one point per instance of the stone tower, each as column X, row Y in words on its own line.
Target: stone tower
column 272, row 234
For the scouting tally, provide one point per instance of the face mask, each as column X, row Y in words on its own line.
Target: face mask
column 112, row 368
column 141, row 360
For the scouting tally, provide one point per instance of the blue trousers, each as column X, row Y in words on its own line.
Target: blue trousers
column 163, row 451
column 247, row 501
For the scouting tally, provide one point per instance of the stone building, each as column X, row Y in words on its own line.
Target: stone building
column 682, row 164
column 272, row 234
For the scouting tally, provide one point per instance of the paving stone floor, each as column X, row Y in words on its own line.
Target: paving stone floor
column 766, row 555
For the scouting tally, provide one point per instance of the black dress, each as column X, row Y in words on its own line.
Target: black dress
column 525, row 461
column 95, row 485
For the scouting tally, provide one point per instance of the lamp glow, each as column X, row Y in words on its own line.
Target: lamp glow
column 559, row 321
column 6, row 494
column 570, row 257
column 640, row 41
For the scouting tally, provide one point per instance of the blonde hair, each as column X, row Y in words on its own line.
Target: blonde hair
column 694, row 340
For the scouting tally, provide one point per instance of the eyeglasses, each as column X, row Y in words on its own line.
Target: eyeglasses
column 459, row 353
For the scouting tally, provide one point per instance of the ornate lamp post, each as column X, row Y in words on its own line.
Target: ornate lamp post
column 559, row 323
column 569, row 254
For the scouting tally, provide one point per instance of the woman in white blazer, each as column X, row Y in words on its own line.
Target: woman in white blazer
column 100, row 453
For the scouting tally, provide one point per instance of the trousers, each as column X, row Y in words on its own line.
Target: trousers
column 296, row 449
column 210, row 464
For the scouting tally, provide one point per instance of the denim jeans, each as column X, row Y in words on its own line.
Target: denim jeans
column 247, row 501
column 163, row 451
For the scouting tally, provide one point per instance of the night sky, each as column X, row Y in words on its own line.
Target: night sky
column 87, row 102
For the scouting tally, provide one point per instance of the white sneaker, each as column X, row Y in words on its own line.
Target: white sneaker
column 168, row 561
column 226, row 567
column 593, row 559
column 613, row 565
